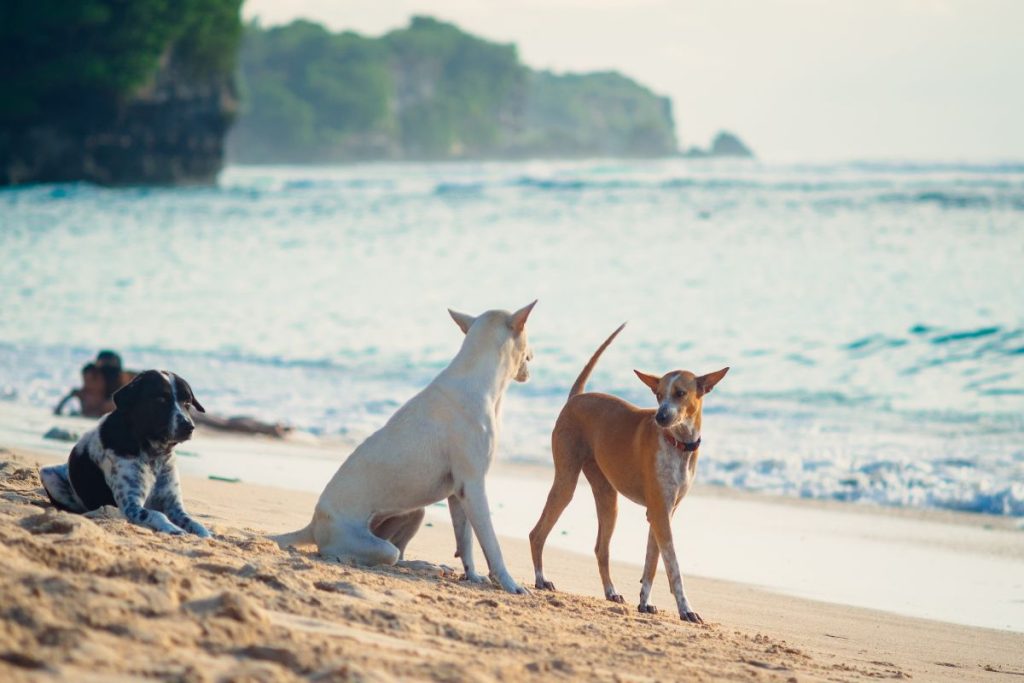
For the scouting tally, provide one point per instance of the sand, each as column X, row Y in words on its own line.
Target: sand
column 93, row 598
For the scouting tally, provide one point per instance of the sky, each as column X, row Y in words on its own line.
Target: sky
column 795, row 79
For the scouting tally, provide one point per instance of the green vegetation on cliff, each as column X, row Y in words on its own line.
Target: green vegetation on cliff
column 58, row 57
column 429, row 91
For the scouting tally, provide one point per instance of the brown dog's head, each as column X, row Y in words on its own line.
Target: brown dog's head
column 507, row 330
column 680, row 396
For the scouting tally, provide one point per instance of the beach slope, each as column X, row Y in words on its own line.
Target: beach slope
column 92, row 598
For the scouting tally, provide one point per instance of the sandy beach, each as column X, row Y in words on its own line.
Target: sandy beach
column 95, row 599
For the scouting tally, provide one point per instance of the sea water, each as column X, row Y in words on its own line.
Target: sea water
column 872, row 314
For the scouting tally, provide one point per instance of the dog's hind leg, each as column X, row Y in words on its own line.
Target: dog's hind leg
column 57, row 484
column 399, row 529
column 463, row 540
column 567, row 473
column 607, row 501
column 650, row 569
column 352, row 541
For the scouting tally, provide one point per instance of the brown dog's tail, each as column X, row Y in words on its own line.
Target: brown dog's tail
column 581, row 381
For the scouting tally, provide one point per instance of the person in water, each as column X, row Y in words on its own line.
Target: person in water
column 104, row 376
column 94, row 398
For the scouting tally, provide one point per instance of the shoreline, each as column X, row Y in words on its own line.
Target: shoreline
column 900, row 561
column 754, row 633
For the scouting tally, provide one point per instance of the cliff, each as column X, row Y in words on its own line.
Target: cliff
column 116, row 93
column 429, row 91
column 725, row 144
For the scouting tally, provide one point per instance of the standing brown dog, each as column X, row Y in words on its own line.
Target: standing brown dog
column 646, row 455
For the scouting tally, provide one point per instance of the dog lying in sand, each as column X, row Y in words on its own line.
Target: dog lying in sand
column 127, row 460
column 438, row 445
column 649, row 456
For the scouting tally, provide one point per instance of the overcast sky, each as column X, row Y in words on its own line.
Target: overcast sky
column 796, row 79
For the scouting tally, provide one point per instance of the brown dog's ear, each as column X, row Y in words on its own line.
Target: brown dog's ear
column 518, row 320
column 650, row 380
column 463, row 320
column 706, row 383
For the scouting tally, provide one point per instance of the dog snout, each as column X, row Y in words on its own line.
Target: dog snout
column 184, row 428
column 661, row 417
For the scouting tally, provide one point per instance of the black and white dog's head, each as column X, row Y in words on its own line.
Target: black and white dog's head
column 154, row 408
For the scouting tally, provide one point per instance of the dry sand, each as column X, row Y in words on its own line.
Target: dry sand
column 93, row 598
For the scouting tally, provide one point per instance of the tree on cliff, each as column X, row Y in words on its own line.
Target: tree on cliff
column 56, row 54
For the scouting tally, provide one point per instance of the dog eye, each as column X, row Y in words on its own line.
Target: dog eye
column 680, row 394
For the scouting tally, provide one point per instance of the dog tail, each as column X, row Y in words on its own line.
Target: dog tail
column 581, row 381
column 303, row 536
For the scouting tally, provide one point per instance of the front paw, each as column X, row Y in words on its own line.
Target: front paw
column 508, row 584
column 647, row 609
column 472, row 577
column 691, row 617
column 200, row 530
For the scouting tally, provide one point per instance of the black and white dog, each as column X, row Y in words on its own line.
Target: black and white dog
column 128, row 459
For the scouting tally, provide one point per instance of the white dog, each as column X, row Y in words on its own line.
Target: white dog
column 438, row 445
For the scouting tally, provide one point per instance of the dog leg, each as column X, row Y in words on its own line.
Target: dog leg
column 464, row 540
column 650, row 569
column 166, row 497
column 57, row 484
column 606, row 500
column 399, row 529
column 562, row 489
column 352, row 541
column 130, row 498
column 658, row 516
column 474, row 499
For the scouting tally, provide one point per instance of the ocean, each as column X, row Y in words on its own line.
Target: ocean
column 872, row 314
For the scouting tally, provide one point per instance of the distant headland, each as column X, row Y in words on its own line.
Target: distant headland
column 145, row 93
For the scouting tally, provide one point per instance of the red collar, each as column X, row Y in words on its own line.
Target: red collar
column 682, row 445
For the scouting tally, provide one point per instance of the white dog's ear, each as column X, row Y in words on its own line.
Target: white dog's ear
column 463, row 320
column 518, row 319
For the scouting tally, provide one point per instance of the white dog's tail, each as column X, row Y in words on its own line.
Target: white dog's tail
column 303, row 536
column 581, row 381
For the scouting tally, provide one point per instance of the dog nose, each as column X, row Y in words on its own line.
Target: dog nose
column 661, row 418
column 186, row 427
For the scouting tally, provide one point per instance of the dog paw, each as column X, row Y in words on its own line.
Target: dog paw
column 691, row 617
column 647, row 609
column 544, row 585
column 473, row 577
column 509, row 585
column 615, row 597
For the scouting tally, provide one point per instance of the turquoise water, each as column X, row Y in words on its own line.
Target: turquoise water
column 872, row 314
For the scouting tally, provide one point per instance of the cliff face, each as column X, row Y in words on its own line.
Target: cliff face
column 171, row 131
column 116, row 92
column 430, row 91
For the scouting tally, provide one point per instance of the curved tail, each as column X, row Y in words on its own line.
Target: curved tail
column 581, row 381
column 303, row 536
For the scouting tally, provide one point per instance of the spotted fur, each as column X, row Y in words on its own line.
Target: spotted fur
column 127, row 460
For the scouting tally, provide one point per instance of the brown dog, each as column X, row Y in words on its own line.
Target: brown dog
column 646, row 455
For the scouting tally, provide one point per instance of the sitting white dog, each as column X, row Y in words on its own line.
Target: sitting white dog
column 438, row 445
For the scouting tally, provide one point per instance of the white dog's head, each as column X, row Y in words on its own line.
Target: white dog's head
column 506, row 331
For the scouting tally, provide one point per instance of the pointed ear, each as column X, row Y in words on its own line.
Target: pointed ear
column 650, row 380
column 463, row 320
column 518, row 320
column 706, row 383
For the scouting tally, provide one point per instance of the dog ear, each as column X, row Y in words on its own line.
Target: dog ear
column 518, row 319
column 463, row 320
column 650, row 380
column 705, row 383
column 126, row 396
column 191, row 396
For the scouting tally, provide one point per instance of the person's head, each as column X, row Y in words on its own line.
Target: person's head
column 93, row 381
column 108, row 358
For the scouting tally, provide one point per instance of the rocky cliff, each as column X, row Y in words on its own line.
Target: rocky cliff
column 171, row 131
column 116, row 93
column 429, row 91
